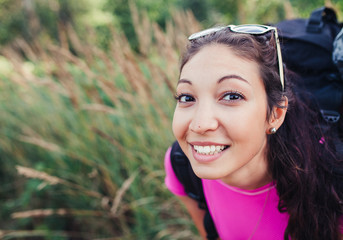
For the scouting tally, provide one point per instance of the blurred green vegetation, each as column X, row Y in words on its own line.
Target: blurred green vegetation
column 86, row 101
column 28, row 18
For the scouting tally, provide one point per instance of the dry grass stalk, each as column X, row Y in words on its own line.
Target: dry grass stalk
column 62, row 35
column 185, row 24
column 113, row 141
column 166, row 50
column 52, row 180
column 82, row 159
column 117, row 45
column 104, row 173
column 111, row 91
column 41, row 234
column 26, row 48
column 34, row 52
column 179, row 20
column 142, row 27
column 39, row 51
column 159, row 75
column 65, row 55
column 110, row 71
column 78, row 46
column 126, row 60
column 191, row 22
column 177, row 234
column 34, row 174
column 12, row 55
column 61, row 212
column 120, row 193
column 21, row 74
column 110, row 238
column 164, row 118
column 40, row 142
column 171, row 32
column 61, row 56
column 52, row 85
column 135, row 74
column 289, row 11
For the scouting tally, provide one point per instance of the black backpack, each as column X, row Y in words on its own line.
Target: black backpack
column 193, row 186
column 307, row 47
column 307, row 50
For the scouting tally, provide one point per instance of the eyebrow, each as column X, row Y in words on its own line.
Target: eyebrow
column 184, row 81
column 232, row 76
column 226, row 77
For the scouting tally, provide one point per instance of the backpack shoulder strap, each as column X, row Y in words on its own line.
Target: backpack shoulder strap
column 193, row 186
column 319, row 17
column 184, row 172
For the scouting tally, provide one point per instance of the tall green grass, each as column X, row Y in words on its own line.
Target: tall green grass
column 84, row 132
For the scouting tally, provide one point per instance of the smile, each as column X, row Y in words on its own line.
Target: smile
column 209, row 150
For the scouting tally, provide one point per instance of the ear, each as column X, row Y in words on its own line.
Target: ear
column 278, row 115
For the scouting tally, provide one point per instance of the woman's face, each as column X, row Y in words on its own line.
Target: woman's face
column 220, row 120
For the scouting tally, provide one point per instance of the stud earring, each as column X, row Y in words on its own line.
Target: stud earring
column 272, row 130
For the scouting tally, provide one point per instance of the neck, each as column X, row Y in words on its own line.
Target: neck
column 248, row 184
column 251, row 176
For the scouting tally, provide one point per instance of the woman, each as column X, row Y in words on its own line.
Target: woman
column 266, row 169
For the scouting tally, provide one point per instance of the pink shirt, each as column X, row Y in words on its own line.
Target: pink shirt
column 237, row 213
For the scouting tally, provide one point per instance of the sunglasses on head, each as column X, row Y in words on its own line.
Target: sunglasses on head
column 253, row 29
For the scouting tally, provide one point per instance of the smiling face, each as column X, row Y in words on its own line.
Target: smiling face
column 220, row 120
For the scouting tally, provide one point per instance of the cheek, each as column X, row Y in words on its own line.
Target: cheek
column 246, row 124
column 180, row 124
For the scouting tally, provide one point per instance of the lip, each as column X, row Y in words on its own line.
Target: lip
column 202, row 158
column 206, row 144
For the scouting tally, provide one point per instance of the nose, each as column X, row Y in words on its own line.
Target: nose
column 204, row 120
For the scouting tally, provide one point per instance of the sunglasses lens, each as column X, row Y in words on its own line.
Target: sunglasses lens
column 205, row 32
column 250, row 29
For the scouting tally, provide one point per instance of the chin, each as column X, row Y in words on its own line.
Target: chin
column 206, row 174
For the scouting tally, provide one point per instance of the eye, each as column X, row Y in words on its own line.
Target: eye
column 184, row 98
column 232, row 96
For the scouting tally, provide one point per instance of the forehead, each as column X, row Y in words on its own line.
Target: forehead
column 212, row 61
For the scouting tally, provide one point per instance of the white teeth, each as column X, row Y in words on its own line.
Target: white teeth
column 209, row 150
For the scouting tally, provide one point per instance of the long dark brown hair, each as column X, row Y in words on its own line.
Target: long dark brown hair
column 301, row 158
